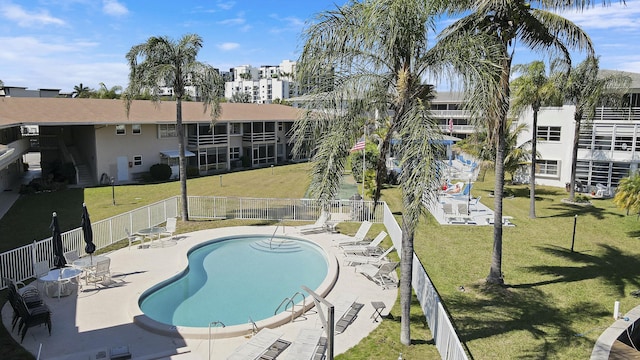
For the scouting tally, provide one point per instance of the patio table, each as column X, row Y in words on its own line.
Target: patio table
column 60, row 277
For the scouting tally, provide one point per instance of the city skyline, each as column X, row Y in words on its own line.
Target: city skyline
column 55, row 44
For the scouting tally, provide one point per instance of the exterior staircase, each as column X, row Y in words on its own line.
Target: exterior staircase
column 83, row 172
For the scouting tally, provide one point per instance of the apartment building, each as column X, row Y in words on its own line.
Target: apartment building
column 264, row 84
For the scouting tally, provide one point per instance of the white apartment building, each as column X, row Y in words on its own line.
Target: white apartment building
column 608, row 147
column 264, row 84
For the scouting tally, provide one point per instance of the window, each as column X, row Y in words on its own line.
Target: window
column 549, row 133
column 167, row 130
column 234, row 153
column 121, row 130
column 547, row 167
column 136, row 129
column 137, row 160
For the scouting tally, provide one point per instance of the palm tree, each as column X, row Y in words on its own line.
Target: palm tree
column 509, row 22
column 585, row 88
column 80, row 91
column 240, row 97
column 628, row 194
column 106, row 93
column 366, row 60
column 533, row 89
column 164, row 62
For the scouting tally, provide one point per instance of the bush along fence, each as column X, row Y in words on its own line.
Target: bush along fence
column 18, row 264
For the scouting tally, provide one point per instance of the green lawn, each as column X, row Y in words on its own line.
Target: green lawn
column 556, row 302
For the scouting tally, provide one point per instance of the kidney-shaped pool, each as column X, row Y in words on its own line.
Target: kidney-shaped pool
column 237, row 279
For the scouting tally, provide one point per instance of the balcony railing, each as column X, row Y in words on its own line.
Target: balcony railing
column 207, row 140
column 259, row 137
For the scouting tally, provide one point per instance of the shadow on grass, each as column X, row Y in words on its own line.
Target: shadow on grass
column 613, row 267
column 634, row 233
column 495, row 311
column 568, row 210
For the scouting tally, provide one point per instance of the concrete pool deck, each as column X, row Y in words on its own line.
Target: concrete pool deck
column 98, row 319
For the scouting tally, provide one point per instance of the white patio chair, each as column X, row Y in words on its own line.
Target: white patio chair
column 133, row 238
column 100, row 273
column 170, row 227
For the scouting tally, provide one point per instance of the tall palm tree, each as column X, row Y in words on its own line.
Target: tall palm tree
column 533, row 89
column 81, row 91
column 368, row 59
column 509, row 22
column 628, row 194
column 164, row 62
column 585, row 88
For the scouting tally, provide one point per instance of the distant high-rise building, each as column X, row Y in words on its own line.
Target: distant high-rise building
column 262, row 85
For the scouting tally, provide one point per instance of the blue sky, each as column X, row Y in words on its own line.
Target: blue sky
column 61, row 43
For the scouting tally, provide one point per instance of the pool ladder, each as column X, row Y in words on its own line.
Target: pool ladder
column 213, row 324
column 290, row 301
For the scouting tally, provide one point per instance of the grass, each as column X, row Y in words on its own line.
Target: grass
column 555, row 304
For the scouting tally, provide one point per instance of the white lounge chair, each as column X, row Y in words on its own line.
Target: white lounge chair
column 319, row 226
column 308, row 344
column 379, row 275
column 372, row 248
column 363, row 259
column 265, row 341
column 358, row 237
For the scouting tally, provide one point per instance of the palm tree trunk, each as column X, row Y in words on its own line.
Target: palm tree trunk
column 502, row 108
column 183, row 164
column 406, row 276
column 532, row 182
column 574, row 156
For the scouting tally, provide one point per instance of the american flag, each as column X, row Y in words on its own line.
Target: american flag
column 358, row 146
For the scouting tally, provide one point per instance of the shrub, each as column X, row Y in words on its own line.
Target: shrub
column 192, row 172
column 160, row 172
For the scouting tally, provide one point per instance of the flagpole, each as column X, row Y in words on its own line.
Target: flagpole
column 364, row 151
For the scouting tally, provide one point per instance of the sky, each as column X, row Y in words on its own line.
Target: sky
column 58, row 44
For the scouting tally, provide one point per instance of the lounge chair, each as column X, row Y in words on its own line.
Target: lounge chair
column 372, row 248
column 266, row 343
column 379, row 275
column 170, row 227
column 465, row 191
column 29, row 294
column 363, row 259
column 358, row 237
column 319, row 226
column 345, row 311
column 463, row 209
column 308, row 344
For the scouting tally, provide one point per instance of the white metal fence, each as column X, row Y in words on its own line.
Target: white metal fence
column 18, row 263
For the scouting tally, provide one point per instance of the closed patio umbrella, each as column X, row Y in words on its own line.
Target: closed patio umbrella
column 56, row 239
column 87, row 232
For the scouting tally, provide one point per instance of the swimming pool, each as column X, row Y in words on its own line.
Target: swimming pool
column 235, row 279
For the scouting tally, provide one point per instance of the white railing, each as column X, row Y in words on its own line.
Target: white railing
column 438, row 319
column 18, row 263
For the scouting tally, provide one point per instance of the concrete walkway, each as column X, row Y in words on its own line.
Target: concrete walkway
column 94, row 320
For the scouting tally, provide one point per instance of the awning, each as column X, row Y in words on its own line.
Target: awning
column 175, row 153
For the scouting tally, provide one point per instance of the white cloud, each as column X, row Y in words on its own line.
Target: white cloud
column 226, row 5
column 228, row 46
column 615, row 16
column 239, row 20
column 25, row 47
column 24, row 18
column 114, row 8
column 289, row 23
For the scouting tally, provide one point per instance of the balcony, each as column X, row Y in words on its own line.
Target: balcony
column 259, row 137
column 207, row 140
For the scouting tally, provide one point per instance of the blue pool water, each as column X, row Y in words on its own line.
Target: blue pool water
column 234, row 279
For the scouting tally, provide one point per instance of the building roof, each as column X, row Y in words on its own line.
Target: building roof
column 635, row 77
column 63, row 111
